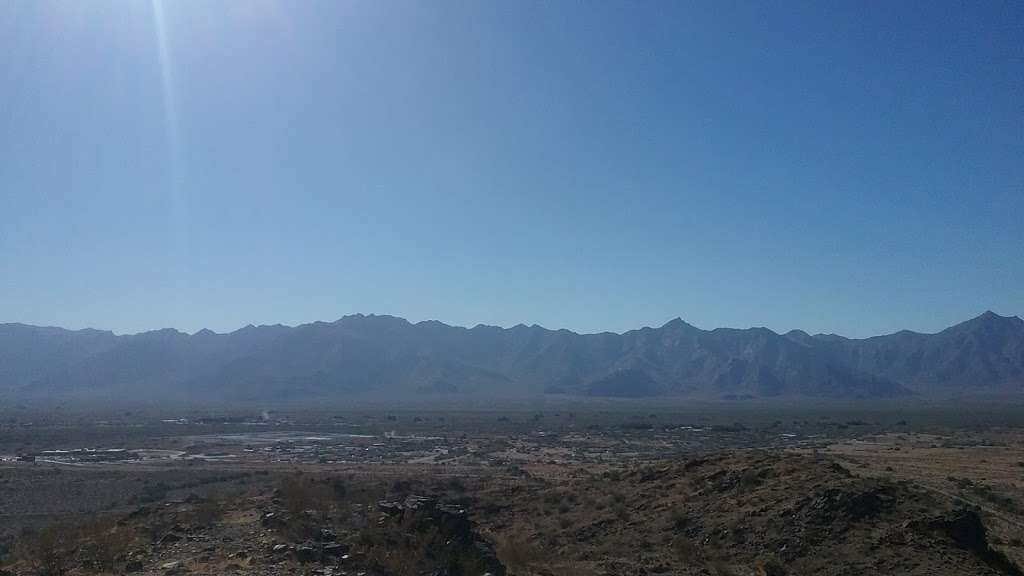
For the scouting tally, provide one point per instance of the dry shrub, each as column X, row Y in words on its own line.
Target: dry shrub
column 686, row 550
column 680, row 520
column 299, row 493
column 517, row 554
column 208, row 511
column 104, row 545
column 403, row 549
column 156, row 526
column 719, row 568
column 98, row 545
column 622, row 513
column 572, row 568
column 394, row 562
column 48, row 552
column 308, row 502
column 771, row 567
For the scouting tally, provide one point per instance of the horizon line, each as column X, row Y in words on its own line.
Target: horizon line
column 986, row 313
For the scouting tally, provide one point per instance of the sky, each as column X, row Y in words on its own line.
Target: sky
column 849, row 167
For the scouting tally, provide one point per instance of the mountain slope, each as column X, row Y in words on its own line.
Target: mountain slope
column 984, row 353
column 391, row 357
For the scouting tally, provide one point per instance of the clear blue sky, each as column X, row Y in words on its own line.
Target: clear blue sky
column 850, row 167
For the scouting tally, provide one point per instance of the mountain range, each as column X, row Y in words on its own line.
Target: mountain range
column 385, row 356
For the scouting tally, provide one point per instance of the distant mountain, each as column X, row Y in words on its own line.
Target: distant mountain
column 985, row 353
column 389, row 357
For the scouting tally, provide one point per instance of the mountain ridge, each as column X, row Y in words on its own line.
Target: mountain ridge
column 361, row 354
column 986, row 315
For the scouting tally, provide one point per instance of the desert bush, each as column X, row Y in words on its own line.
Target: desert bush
column 394, row 562
column 103, row 545
column 572, row 568
column 299, row 493
column 206, row 512
column 456, row 485
column 406, row 548
column 401, row 487
column 47, row 552
column 750, row 479
column 339, row 487
column 771, row 567
column 622, row 512
column 719, row 568
column 552, row 498
column 679, row 519
column 307, row 501
column 686, row 550
column 516, row 554
column 153, row 492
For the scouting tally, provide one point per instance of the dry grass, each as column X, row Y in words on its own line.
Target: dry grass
column 103, row 545
column 98, row 546
column 301, row 493
column 47, row 552
column 207, row 512
column 517, row 554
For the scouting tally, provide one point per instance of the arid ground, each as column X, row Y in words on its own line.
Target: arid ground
column 549, row 492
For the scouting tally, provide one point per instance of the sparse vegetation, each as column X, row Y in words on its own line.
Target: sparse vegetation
column 575, row 500
column 48, row 552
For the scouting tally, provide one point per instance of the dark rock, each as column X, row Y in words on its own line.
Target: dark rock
column 327, row 535
column 273, row 520
column 839, row 469
column 488, row 558
column 853, row 505
column 965, row 528
column 334, row 549
column 414, row 502
column 452, row 522
column 411, row 503
column 306, row 553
